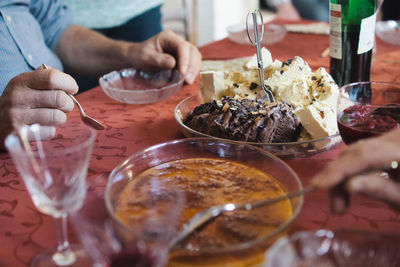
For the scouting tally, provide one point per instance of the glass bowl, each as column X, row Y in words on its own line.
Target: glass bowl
column 283, row 150
column 389, row 31
column 367, row 109
column 141, row 86
column 273, row 33
column 340, row 248
column 231, row 253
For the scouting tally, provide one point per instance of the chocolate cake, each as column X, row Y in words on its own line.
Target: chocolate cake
column 245, row 120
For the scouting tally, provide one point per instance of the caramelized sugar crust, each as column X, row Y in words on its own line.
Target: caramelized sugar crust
column 208, row 182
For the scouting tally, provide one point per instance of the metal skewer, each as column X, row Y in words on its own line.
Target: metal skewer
column 257, row 42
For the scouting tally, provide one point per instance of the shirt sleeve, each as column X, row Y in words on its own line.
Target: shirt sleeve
column 53, row 17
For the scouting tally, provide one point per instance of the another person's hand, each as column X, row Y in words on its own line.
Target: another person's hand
column 287, row 11
column 363, row 156
column 168, row 50
column 36, row 97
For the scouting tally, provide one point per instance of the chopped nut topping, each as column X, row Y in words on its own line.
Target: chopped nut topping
column 225, row 107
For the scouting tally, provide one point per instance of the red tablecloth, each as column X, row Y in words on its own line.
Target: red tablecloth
column 24, row 231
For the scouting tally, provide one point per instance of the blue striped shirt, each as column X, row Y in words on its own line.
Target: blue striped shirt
column 29, row 32
column 101, row 14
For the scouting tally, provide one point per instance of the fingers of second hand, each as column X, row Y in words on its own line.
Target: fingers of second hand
column 339, row 199
column 393, row 170
column 375, row 187
column 339, row 194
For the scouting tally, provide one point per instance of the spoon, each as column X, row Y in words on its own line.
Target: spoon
column 206, row 216
column 89, row 121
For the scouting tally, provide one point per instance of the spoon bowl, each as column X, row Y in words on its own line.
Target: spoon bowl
column 89, row 121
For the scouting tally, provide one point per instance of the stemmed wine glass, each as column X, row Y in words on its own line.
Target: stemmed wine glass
column 54, row 172
column 367, row 109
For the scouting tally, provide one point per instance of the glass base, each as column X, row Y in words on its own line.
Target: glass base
column 50, row 258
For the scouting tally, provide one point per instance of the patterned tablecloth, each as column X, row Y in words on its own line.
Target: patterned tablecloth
column 24, row 231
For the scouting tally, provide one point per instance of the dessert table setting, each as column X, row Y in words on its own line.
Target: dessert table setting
column 130, row 128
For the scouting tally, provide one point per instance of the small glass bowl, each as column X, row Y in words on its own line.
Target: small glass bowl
column 189, row 148
column 340, row 248
column 141, row 86
column 283, row 150
column 389, row 31
column 273, row 33
column 367, row 109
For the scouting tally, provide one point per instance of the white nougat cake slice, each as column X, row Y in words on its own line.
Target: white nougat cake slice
column 313, row 95
column 232, row 77
column 289, row 83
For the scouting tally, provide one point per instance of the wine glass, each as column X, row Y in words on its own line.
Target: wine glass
column 54, row 172
column 367, row 109
column 142, row 234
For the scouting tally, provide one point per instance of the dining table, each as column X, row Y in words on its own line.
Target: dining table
column 24, row 231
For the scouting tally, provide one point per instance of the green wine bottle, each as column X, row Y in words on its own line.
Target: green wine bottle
column 352, row 37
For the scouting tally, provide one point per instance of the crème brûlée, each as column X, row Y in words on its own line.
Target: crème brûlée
column 207, row 182
column 313, row 95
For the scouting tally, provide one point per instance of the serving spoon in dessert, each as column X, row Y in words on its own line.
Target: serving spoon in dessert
column 269, row 96
column 206, row 216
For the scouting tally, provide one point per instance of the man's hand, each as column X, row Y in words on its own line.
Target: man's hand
column 167, row 50
column 90, row 53
column 365, row 155
column 36, row 97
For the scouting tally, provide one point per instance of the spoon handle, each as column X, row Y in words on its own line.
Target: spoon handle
column 206, row 216
column 76, row 103
column 274, row 200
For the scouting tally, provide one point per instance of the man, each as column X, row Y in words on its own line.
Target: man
column 36, row 32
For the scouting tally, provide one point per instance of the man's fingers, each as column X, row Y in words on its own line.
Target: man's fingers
column 189, row 61
column 52, row 79
column 43, row 116
column 162, row 60
column 363, row 155
column 376, row 187
column 189, row 58
column 194, row 66
column 43, row 99
column 183, row 50
column 339, row 198
column 45, row 133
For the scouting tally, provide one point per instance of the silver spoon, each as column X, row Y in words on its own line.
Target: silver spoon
column 206, row 216
column 89, row 121
column 256, row 42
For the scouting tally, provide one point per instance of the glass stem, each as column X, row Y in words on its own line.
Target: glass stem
column 64, row 254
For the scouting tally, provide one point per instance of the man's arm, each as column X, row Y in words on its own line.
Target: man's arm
column 87, row 52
